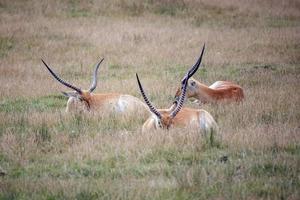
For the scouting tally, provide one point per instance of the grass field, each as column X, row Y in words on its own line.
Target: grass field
column 48, row 154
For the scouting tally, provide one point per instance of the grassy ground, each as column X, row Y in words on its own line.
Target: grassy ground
column 47, row 154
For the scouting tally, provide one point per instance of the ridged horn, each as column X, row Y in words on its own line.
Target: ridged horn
column 151, row 107
column 60, row 80
column 94, row 83
column 184, row 83
column 180, row 101
column 194, row 68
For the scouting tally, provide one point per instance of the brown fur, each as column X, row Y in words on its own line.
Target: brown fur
column 219, row 91
column 97, row 100
column 107, row 102
column 186, row 117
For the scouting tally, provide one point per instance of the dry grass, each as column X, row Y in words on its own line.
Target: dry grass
column 47, row 154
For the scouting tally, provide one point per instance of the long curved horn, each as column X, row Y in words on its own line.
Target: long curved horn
column 184, row 82
column 62, row 81
column 94, row 83
column 180, row 101
column 193, row 69
column 151, row 107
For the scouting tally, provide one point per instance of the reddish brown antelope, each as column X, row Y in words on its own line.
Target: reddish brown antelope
column 86, row 100
column 219, row 91
column 176, row 116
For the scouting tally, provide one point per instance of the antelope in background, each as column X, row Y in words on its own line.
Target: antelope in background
column 86, row 100
column 176, row 116
column 219, row 91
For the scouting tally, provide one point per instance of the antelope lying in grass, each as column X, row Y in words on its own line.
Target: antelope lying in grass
column 219, row 91
column 176, row 116
column 86, row 100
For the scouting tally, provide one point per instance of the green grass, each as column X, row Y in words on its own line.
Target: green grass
column 38, row 104
column 6, row 44
column 46, row 153
column 161, row 172
column 283, row 22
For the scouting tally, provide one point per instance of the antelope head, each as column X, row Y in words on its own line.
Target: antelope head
column 78, row 98
column 165, row 118
column 192, row 84
column 191, row 91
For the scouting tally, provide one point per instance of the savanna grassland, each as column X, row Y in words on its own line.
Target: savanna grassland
column 48, row 154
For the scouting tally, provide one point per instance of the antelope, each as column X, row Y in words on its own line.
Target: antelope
column 219, row 91
column 176, row 116
column 85, row 100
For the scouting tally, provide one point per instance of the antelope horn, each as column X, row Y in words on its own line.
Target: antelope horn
column 62, row 81
column 180, row 101
column 193, row 70
column 151, row 107
column 184, row 81
column 94, row 83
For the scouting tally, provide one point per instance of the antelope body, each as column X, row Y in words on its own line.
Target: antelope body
column 111, row 102
column 85, row 100
column 176, row 116
column 187, row 117
column 219, row 91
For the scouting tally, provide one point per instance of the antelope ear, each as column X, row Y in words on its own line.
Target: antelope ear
column 69, row 94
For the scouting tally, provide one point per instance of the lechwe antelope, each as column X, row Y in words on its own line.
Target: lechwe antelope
column 219, row 91
column 176, row 116
column 86, row 100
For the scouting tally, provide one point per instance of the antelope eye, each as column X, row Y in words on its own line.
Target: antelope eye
column 193, row 83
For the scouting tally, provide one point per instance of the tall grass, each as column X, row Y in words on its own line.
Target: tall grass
column 48, row 154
